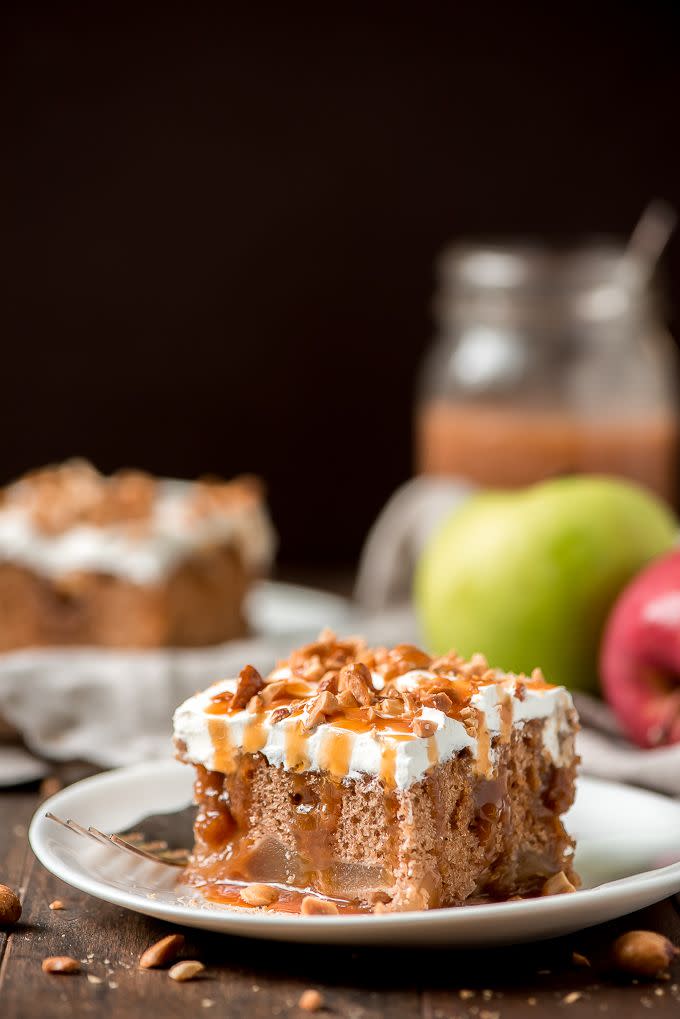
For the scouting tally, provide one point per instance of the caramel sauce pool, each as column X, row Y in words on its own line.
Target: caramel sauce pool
column 289, row 900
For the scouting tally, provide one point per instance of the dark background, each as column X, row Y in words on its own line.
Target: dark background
column 219, row 223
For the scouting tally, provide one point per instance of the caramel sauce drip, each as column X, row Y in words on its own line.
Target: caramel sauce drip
column 296, row 748
column 224, row 752
column 505, row 711
column 432, row 751
column 335, row 753
column 254, row 736
column 217, row 707
column 388, row 764
column 483, row 764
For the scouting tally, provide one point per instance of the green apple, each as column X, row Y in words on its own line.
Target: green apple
column 528, row 577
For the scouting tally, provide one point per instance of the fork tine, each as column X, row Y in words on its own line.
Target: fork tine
column 112, row 841
column 74, row 826
column 119, row 843
column 54, row 817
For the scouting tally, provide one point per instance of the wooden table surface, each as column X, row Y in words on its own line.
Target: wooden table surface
column 257, row 979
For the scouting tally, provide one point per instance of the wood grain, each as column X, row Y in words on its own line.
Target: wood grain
column 257, row 979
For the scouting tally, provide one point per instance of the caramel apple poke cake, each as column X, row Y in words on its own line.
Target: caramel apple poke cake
column 127, row 560
column 360, row 779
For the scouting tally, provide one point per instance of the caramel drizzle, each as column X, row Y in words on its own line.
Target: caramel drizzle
column 296, row 749
column 224, row 751
column 335, row 753
column 388, row 764
column 483, row 765
column 254, row 736
column 505, row 712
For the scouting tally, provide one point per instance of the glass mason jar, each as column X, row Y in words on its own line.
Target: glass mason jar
column 546, row 364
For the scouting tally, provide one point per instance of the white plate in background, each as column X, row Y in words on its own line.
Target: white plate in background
column 629, row 848
column 276, row 609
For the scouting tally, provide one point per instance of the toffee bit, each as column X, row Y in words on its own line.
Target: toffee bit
column 250, row 682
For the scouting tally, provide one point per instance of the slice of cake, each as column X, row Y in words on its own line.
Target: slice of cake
column 358, row 778
column 127, row 560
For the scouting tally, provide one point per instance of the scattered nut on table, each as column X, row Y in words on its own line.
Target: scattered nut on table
column 10, row 906
column 162, row 952
column 60, row 964
column 643, row 953
column 310, row 1000
column 57, row 904
column 185, row 970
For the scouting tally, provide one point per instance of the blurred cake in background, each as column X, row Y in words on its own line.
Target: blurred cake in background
column 127, row 560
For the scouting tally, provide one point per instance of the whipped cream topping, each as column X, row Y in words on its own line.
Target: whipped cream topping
column 352, row 754
column 143, row 555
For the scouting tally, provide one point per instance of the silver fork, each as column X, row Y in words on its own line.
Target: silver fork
column 115, row 841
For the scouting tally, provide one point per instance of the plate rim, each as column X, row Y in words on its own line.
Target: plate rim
column 664, row 880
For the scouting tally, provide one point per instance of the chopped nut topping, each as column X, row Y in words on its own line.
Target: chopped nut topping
column 321, row 708
column 410, row 656
column 390, row 707
column 423, row 727
column 329, row 681
column 259, row 895
column 250, row 682
column 357, row 679
column 60, row 964
column 345, row 670
column 162, row 952
column 440, row 701
column 279, row 714
column 272, row 691
column 346, row 699
column 311, row 906
column 255, row 704
column 57, row 498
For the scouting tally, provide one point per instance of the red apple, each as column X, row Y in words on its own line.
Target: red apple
column 640, row 655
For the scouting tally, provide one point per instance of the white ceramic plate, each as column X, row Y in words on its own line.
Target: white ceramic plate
column 276, row 609
column 629, row 848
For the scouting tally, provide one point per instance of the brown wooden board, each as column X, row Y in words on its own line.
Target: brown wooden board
column 257, row 978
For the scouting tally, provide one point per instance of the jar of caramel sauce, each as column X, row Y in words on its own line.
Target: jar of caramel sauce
column 547, row 363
